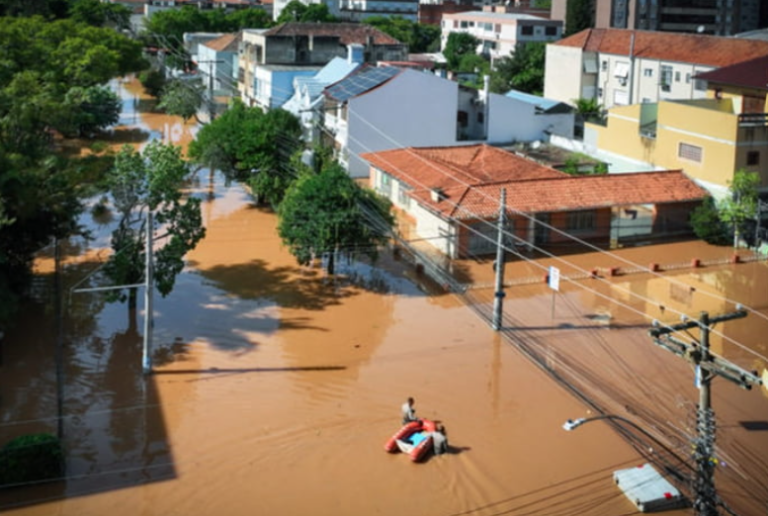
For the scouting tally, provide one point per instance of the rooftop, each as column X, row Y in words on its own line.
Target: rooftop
column 715, row 51
column 469, row 179
column 495, row 16
column 348, row 33
column 225, row 43
column 748, row 74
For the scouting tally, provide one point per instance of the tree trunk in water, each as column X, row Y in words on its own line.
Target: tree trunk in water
column 331, row 263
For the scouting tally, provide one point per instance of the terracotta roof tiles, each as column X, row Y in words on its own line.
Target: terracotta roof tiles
column 348, row 33
column 749, row 74
column 715, row 51
column 470, row 178
column 227, row 42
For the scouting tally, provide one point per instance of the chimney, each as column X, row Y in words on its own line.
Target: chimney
column 436, row 194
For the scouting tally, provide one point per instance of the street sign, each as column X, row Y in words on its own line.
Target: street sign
column 554, row 278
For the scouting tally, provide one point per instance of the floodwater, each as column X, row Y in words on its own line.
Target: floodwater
column 275, row 387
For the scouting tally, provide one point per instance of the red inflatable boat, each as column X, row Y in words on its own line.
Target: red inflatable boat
column 413, row 439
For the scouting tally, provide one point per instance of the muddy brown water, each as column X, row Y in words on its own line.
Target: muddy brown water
column 275, row 387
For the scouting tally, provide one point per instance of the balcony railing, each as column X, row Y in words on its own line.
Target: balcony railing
column 753, row 119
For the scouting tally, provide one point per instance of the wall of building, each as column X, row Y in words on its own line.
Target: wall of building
column 563, row 73
column 414, row 109
column 511, row 120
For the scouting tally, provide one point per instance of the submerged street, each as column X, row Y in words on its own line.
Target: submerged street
column 276, row 387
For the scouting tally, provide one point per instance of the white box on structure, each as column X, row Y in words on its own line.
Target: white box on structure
column 647, row 489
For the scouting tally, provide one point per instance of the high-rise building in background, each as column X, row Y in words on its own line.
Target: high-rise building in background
column 719, row 17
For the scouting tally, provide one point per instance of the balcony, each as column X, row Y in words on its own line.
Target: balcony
column 753, row 119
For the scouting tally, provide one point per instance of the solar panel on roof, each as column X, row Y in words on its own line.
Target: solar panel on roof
column 360, row 83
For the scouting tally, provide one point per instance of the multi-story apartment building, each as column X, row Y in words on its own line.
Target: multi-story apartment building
column 358, row 10
column 500, row 32
column 269, row 59
column 620, row 67
column 710, row 138
column 718, row 17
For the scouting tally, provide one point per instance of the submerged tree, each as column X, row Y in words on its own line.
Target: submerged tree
column 182, row 98
column 151, row 182
column 251, row 146
column 741, row 205
column 328, row 213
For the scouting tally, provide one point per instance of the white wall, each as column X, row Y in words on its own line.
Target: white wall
column 513, row 120
column 563, row 73
column 438, row 232
column 414, row 109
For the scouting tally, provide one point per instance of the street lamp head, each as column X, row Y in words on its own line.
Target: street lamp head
column 571, row 424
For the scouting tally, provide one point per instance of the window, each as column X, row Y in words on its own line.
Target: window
column 687, row 78
column 550, row 31
column 480, row 117
column 753, row 158
column 648, row 72
column 402, row 195
column 488, row 27
column 526, row 30
column 462, row 118
column 646, row 100
column 666, row 78
column 599, row 92
column 677, row 76
column 455, row 24
column 700, row 85
column 582, row 220
column 604, row 66
column 497, row 28
column 689, row 152
column 385, row 183
column 464, row 24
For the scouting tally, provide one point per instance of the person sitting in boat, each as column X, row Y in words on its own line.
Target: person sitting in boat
column 408, row 412
column 439, row 440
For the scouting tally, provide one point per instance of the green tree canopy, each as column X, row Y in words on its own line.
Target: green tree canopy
column 419, row 37
column 328, row 212
column 252, row 146
column 182, row 98
column 522, row 70
column 579, row 15
column 87, row 110
column 296, row 11
column 100, row 14
column 459, row 44
column 741, row 204
column 144, row 182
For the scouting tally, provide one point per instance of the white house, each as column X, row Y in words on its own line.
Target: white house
column 217, row 63
column 307, row 100
column 621, row 67
column 388, row 107
column 500, row 32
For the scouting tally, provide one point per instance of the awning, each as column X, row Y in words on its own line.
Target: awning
column 621, row 70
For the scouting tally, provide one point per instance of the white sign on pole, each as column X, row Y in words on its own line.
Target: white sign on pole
column 554, row 278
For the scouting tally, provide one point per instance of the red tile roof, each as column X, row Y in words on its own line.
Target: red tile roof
column 348, row 33
column 715, row 51
column 227, row 42
column 749, row 74
column 470, row 179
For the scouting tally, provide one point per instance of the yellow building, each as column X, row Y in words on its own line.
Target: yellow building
column 709, row 139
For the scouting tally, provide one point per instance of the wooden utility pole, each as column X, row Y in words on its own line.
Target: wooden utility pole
column 498, row 300
column 146, row 359
column 707, row 367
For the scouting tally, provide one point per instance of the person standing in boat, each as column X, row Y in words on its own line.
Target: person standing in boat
column 439, row 440
column 408, row 412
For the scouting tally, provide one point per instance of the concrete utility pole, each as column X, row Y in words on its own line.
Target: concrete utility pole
column 149, row 323
column 707, row 367
column 498, row 301
column 149, row 285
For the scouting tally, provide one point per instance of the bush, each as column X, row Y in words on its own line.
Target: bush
column 707, row 224
column 31, row 458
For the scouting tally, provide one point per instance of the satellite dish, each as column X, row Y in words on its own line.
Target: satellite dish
column 700, row 29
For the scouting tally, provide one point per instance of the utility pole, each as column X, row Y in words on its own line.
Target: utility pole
column 707, row 367
column 148, row 284
column 498, row 301
column 146, row 359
